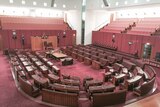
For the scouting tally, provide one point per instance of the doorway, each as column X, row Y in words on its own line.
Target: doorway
column 147, row 49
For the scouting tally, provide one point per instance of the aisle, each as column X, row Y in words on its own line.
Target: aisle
column 9, row 94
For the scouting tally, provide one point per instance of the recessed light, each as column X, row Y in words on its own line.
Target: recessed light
column 10, row 1
column 45, row 4
column 102, row 6
column 117, row 3
column 125, row 2
column 64, row 6
column 34, row 3
column 23, row 2
column 55, row 5
column 148, row 0
column 136, row 1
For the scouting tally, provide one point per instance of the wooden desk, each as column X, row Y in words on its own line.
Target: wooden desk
column 34, row 59
column 44, row 69
column 30, row 70
column 39, row 63
column 133, row 82
column 41, row 82
column 56, row 70
column 26, row 63
column 65, row 88
column 50, row 64
column 23, row 59
column 70, row 82
column 102, row 88
column 93, row 83
column 53, row 78
column 118, row 79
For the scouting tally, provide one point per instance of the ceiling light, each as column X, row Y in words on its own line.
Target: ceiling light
column 34, row 3
column 102, row 5
column 64, row 6
column 23, row 2
column 45, row 4
column 148, row 0
column 117, row 3
column 125, row 2
column 10, row 1
column 136, row 1
column 55, row 5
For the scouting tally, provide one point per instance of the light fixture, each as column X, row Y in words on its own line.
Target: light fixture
column 147, row 43
column 125, row 2
column 148, row 0
column 23, row 2
column 55, row 5
column 117, row 3
column 45, row 4
column 64, row 6
column 34, row 3
column 102, row 6
column 135, row 1
column 10, row 1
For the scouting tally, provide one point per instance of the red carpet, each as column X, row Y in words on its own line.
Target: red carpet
column 10, row 96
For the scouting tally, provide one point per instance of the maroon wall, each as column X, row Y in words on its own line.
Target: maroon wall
column 121, row 41
column 10, row 43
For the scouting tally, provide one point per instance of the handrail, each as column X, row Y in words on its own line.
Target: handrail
column 101, row 25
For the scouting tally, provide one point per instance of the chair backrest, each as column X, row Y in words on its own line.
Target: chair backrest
column 147, row 87
column 60, row 98
column 26, row 86
column 109, row 98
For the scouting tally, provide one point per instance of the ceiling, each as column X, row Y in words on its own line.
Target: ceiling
column 75, row 4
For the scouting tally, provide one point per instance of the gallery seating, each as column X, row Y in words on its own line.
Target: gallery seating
column 60, row 98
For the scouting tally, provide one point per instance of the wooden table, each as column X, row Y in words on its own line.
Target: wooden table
column 58, row 55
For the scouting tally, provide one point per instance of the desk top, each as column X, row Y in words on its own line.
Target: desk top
column 44, row 68
column 40, row 79
column 52, row 76
column 29, row 68
column 134, row 79
column 101, row 88
column 68, row 88
column 59, row 55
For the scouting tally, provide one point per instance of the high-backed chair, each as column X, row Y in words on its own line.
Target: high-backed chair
column 60, row 98
column 145, row 88
column 109, row 98
column 28, row 88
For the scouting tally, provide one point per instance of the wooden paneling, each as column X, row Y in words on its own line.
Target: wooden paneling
column 37, row 42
